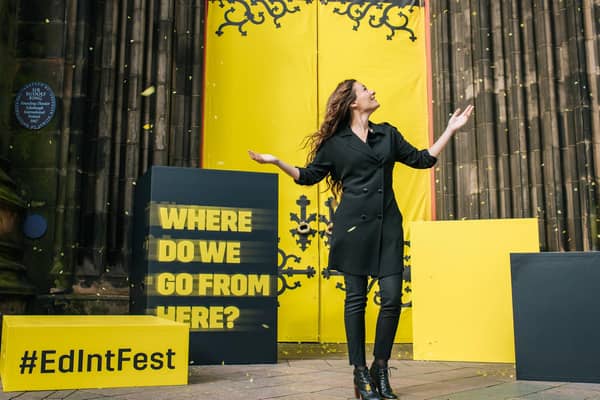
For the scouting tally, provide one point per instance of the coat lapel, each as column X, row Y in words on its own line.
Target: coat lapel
column 355, row 143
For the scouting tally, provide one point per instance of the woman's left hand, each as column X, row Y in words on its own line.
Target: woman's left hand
column 459, row 119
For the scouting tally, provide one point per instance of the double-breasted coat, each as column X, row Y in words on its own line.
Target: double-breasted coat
column 367, row 237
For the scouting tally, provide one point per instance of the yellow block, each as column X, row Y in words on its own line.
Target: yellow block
column 73, row 352
column 462, row 300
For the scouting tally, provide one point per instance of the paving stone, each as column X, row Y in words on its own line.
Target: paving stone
column 586, row 386
column 81, row 395
column 563, row 393
column 500, row 391
column 37, row 395
column 445, row 388
column 61, row 394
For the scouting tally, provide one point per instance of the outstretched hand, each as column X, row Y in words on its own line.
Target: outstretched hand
column 263, row 158
column 459, row 119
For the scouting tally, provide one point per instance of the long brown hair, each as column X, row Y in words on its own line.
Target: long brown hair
column 337, row 115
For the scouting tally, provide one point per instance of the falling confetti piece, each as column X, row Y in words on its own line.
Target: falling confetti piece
column 265, row 326
column 47, row 20
column 149, row 91
column 147, row 126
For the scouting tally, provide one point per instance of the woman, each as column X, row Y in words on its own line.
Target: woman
column 357, row 157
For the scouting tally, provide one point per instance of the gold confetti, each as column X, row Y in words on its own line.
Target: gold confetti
column 149, row 91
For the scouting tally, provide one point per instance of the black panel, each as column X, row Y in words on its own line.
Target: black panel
column 252, row 336
column 556, row 306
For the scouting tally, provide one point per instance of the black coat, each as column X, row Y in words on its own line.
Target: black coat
column 367, row 236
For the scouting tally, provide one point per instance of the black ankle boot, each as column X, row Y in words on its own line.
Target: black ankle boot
column 363, row 387
column 380, row 376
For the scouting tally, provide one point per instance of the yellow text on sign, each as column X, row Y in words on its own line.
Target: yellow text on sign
column 184, row 284
column 205, row 219
column 72, row 352
column 200, row 317
column 208, row 251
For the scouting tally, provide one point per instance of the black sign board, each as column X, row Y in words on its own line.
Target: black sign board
column 205, row 253
column 556, row 310
column 35, row 105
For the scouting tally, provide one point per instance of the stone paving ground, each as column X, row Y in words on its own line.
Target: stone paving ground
column 307, row 372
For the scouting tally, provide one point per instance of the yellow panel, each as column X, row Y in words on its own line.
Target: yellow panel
column 261, row 94
column 397, row 70
column 72, row 352
column 462, row 292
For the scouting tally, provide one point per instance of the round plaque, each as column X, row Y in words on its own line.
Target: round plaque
column 35, row 226
column 35, row 105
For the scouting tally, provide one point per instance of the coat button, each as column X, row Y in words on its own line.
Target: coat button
column 365, row 190
column 379, row 190
column 379, row 216
column 363, row 216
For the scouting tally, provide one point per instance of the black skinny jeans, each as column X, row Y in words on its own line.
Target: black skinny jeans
column 387, row 320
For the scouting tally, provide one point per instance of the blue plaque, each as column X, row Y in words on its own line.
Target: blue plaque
column 35, row 105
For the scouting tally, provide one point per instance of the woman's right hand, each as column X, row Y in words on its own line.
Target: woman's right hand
column 263, row 158
column 294, row 172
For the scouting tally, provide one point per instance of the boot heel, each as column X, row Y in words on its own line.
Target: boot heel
column 363, row 387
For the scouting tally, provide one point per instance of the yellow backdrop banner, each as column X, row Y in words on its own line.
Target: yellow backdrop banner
column 397, row 70
column 269, row 71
